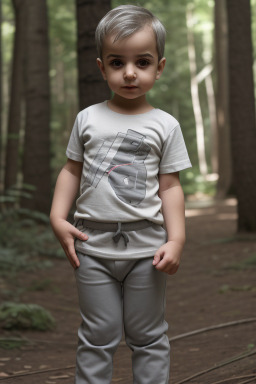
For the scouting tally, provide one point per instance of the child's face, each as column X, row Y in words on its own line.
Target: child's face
column 131, row 65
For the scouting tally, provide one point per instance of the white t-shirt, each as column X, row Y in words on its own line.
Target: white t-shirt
column 122, row 156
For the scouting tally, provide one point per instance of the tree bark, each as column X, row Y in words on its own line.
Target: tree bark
column 17, row 82
column 195, row 96
column 36, row 165
column 92, row 88
column 1, row 103
column 221, row 65
column 242, row 111
column 213, row 122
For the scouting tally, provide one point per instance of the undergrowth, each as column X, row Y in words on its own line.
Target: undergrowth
column 12, row 343
column 26, row 244
column 25, row 316
column 26, row 241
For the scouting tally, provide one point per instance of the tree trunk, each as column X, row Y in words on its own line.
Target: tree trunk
column 36, row 166
column 14, row 120
column 242, row 111
column 92, row 88
column 195, row 96
column 1, row 103
column 213, row 122
column 221, row 65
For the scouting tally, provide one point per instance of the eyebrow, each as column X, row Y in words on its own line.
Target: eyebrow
column 121, row 56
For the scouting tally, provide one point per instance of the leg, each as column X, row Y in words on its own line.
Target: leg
column 144, row 307
column 100, row 300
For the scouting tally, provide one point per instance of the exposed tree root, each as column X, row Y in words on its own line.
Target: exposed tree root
column 248, row 377
column 217, row 366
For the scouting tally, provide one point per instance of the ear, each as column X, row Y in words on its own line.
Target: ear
column 101, row 67
column 160, row 68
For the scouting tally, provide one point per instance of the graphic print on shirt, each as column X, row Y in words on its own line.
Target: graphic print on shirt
column 123, row 162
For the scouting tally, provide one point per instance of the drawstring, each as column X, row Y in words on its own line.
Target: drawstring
column 117, row 236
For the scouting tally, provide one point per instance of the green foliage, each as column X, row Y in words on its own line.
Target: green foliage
column 12, row 262
column 193, row 183
column 28, row 231
column 41, row 285
column 12, row 343
column 25, row 316
column 25, row 235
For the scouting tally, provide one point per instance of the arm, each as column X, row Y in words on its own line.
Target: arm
column 167, row 257
column 65, row 192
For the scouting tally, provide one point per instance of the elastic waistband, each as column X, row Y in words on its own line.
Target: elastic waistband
column 120, row 229
column 113, row 227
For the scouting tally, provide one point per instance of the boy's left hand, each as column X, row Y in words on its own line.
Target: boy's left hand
column 167, row 257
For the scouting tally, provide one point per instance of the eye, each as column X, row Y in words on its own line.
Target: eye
column 116, row 63
column 143, row 63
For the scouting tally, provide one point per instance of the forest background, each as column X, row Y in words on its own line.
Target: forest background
column 48, row 73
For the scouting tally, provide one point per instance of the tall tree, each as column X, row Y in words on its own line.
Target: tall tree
column 92, row 88
column 1, row 97
column 17, row 81
column 195, row 93
column 36, row 165
column 221, row 65
column 242, row 111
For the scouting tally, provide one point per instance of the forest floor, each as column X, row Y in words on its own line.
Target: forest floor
column 215, row 285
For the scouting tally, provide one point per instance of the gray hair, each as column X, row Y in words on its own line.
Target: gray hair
column 124, row 21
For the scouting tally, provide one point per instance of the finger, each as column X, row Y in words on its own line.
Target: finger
column 158, row 257
column 164, row 265
column 79, row 235
column 71, row 255
column 161, row 266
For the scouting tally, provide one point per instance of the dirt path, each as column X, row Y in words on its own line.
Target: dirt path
column 216, row 284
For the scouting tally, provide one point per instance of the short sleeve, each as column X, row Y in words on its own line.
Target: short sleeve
column 75, row 148
column 174, row 153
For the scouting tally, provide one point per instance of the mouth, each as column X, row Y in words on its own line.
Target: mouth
column 130, row 86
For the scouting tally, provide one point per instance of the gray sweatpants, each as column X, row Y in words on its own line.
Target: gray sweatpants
column 113, row 294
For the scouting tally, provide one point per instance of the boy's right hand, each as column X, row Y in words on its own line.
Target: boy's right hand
column 66, row 234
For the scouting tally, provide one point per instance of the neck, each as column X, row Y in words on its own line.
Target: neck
column 129, row 106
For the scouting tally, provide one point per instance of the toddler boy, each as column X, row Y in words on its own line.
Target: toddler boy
column 126, row 156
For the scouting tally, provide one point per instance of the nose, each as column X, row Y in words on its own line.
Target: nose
column 130, row 73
